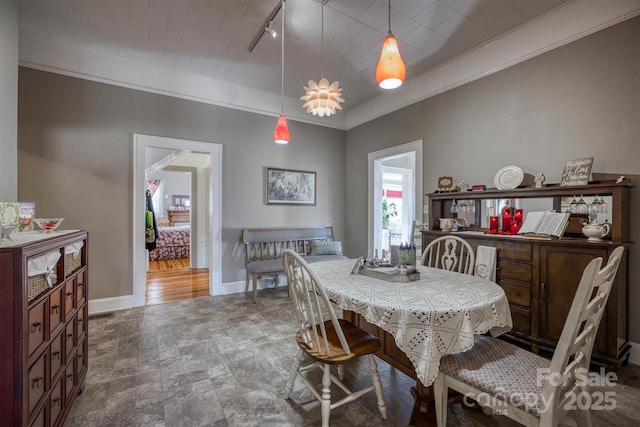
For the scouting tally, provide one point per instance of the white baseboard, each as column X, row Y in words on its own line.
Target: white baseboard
column 634, row 357
column 238, row 287
column 106, row 305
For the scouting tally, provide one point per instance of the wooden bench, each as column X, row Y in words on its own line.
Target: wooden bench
column 264, row 247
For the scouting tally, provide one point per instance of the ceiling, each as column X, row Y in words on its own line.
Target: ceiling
column 211, row 38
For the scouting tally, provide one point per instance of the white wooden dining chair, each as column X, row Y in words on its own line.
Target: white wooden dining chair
column 326, row 339
column 450, row 253
column 522, row 385
column 416, row 237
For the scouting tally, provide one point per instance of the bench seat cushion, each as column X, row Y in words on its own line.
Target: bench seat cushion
column 265, row 266
column 275, row 265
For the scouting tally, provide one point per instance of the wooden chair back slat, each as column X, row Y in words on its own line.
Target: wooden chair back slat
column 449, row 253
column 312, row 304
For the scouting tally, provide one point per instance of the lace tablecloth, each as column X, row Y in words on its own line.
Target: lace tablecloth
column 437, row 315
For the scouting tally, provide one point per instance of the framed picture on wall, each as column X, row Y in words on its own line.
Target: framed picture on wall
column 181, row 201
column 290, row 187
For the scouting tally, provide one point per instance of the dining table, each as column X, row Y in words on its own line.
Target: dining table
column 440, row 313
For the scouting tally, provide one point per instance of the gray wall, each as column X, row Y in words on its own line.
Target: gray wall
column 175, row 183
column 8, row 100
column 576, row 101
column 75, row 161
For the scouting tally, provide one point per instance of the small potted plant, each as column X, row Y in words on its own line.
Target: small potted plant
column 389, row 210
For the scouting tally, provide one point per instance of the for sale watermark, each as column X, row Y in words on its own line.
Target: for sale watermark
column 587, row 395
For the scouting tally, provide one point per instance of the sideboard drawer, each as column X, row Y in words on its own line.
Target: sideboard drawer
column 36, row 326
column 69, row 337
column 80, row 294
column 70, row 379
column 56, row 400
column 38, row 381
column 69, row 300
column 56, row 354
column 521, row 319
column 55, row 309
column 517, row 293
column 515, row 271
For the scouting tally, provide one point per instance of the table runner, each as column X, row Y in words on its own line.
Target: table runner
column 437, row 315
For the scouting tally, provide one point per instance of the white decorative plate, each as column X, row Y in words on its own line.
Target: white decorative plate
column 508, row 178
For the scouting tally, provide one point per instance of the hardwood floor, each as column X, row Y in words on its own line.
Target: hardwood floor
column 172, row 280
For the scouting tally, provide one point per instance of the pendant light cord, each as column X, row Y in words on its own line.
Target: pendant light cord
column 282, row 63
column 322, row 39
column 389, row 4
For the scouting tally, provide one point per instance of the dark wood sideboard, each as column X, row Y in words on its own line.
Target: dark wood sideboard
column 541, row 276
column 44, row 357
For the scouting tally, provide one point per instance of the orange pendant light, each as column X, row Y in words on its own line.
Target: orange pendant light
column 391, row 70
column 281, row 133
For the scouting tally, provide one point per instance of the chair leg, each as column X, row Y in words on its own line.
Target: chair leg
column 341, row 372
column 326, row 395
column 377, row 385
column 440, row 397
column 255, row 288
column 293, row 373
column 583, row 416
column 246, row 283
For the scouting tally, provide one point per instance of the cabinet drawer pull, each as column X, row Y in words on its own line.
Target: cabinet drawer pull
column 37, row 382
column 69, row 294
column 57, row 401
column 70, row 376
column 70, row 336
column 544, row 290
column 38, row 326
column 81, row 285
column 56, row 354
column 80, row 320
column 80, row 356
column 55, row 308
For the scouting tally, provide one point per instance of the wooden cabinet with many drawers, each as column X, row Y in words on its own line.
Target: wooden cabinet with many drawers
column 43, row 331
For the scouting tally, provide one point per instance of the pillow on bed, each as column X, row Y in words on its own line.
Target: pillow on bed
column 326, row 248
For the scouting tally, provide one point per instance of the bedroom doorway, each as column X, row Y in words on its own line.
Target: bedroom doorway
column 175, row 270
column 193, row 209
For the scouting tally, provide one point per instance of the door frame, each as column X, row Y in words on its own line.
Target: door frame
column 214, row 237
column 375, row 175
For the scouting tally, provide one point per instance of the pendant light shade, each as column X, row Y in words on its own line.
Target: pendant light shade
column 391, row 71
column 281, row 133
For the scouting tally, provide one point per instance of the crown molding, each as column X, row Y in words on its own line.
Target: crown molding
column 77, row 61
column 564, row 25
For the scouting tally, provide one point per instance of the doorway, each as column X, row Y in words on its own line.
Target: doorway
column 207, row 228
column 395, row 182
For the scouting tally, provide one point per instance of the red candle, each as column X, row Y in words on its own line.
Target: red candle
column 506, row 219
column 515, row 227
column 493, row 224
column 517, row 218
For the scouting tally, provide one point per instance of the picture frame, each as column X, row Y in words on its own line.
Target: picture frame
column 180, row 200
column 576, row 172
column 289, row 187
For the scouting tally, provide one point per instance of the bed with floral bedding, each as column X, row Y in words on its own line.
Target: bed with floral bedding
column 172, row 243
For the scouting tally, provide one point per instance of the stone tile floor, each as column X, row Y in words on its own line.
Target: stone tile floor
column 224, row 361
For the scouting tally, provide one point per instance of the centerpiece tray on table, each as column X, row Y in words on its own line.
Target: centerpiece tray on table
column 390, row 274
